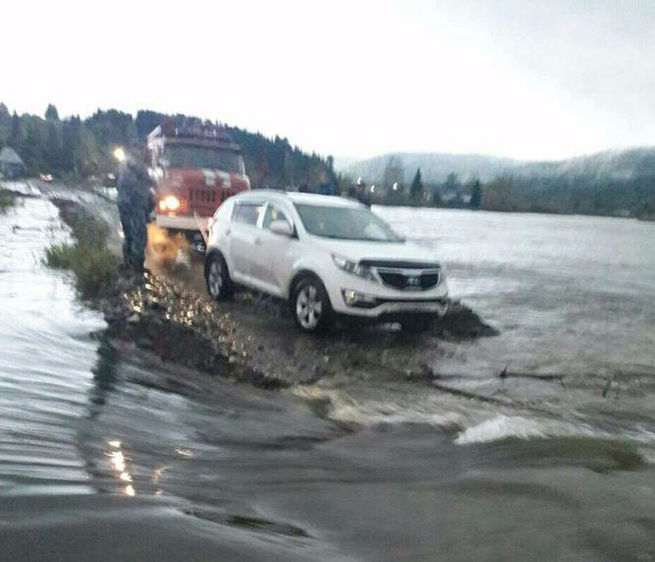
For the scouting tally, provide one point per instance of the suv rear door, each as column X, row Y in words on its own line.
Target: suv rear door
column 243, row 236
column 272, row 260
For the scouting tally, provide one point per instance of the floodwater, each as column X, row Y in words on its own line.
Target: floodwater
column 569, row 293
column 108, row 456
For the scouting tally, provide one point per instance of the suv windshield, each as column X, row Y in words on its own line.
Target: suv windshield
column 192, row 156
column 345, row 223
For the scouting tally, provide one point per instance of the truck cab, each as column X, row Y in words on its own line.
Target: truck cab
column 195, row 168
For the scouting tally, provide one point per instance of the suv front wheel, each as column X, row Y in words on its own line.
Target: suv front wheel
column 310, row 305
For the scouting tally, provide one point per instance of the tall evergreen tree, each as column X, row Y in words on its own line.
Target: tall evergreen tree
column 53, row 146
column 51, row 113
column 452, row 183
column 476, row 195
column 5, row 123
column 15, row 139
column 87, row 154
column 146, row 121
column 70, row 139
column 416, row 189
column 31, row 149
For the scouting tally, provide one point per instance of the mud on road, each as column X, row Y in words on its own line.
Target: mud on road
column 266, row 335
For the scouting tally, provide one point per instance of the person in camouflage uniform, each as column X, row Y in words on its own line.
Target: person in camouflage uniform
column 134, row 206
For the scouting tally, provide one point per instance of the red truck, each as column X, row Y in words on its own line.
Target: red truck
column 195, row 167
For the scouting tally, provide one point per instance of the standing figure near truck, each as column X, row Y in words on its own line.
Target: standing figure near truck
column 134, row 206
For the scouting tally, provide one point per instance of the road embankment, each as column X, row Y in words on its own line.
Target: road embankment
column 251, row 339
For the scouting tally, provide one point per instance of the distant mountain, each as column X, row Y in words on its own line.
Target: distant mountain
column 608, row 165
column 435, row 167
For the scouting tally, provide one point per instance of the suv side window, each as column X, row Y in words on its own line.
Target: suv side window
column 274, row 213
column 247, row 213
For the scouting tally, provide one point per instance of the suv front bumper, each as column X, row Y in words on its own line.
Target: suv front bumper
column 391, row 308
column 373, row 302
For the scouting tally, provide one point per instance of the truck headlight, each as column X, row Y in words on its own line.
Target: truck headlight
column 353, row 268
column 169, row 203
column 119, row 154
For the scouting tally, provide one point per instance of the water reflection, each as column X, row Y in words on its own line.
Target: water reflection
column 156, row 474
column 119, row 466
column 104, row 377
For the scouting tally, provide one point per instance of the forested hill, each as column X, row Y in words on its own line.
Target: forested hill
column 81, row 148
column 618, row 182
column 610, row 165
column 436, row 167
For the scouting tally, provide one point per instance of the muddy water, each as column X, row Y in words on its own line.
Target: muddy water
column 118, row 456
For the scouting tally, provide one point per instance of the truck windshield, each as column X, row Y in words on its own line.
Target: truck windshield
column 345, row 223
column 192, row 156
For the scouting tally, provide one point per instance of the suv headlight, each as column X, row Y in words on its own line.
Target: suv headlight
column 353, row 268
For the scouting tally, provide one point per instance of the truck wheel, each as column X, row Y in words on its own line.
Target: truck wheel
column 219, row 284
column 310, row 305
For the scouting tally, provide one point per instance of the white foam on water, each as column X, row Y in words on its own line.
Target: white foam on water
column 483, row 424
column 501, row 427
column 371, row 412
column 648, row 454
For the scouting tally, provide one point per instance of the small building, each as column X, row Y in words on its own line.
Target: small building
column 450, row 197
column 11, row 165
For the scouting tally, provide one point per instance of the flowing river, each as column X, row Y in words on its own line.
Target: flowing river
column 117, row 456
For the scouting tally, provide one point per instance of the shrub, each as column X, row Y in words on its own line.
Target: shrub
column 60, row 255
column 94, row 266
column 6, row 200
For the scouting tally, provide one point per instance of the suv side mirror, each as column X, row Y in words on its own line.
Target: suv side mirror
column 281, row 227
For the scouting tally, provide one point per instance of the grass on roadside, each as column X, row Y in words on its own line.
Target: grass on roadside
column 94, row 266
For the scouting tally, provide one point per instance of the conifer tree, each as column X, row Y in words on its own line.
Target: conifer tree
column 416, row 189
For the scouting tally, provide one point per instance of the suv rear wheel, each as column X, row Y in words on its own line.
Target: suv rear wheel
column 310, row 305
column 219, row 284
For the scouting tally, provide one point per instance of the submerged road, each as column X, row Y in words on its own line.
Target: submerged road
column 117, row 455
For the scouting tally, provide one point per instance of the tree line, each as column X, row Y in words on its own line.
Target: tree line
column 633, row 195
column 73, row 148
column 577, row 192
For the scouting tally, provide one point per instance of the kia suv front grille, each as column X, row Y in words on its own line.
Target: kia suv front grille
column 413, row 279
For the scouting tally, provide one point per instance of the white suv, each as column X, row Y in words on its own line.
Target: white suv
column 326, row 256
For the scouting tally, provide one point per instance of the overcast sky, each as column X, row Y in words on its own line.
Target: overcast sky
column 517, row 78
